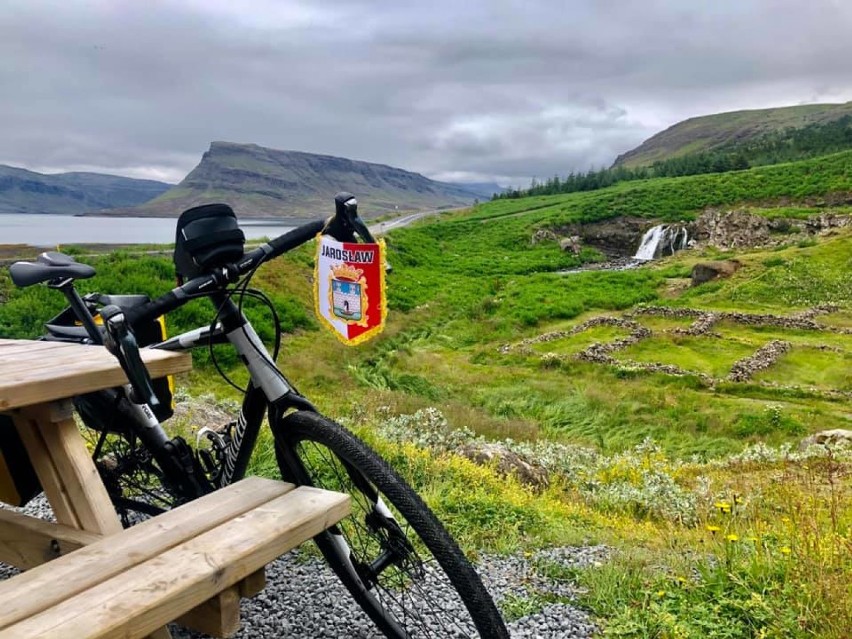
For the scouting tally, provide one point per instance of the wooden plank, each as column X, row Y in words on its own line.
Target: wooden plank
column 146, row 597
column 26, row 542
column 36, row 372
column 219, row 616
column 79, row 480
column 45, row 585
column 17, row 346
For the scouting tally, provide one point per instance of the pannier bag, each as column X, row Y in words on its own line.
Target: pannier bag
column 207, row 236
column 18, row 481
column 67, row 327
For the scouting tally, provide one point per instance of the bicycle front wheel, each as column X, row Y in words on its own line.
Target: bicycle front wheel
column 391, row 553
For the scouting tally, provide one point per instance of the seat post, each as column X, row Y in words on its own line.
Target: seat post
column 80, row 309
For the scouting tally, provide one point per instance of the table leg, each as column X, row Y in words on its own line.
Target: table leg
column 64, row 467
column 67, row 473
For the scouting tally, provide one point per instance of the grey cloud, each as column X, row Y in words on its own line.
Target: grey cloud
column 485, row 89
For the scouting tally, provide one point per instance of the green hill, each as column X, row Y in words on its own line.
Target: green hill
column 23, row 191
column 749, row 132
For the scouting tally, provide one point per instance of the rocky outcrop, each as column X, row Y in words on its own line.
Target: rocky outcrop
column 826, row 221
column 731, row 229
column 571, row 244
column 506, row 462
column 828, row 438
column 741, row 229
column 708, row 271
column 617, row 237
column 262, row 182
column 543, row 236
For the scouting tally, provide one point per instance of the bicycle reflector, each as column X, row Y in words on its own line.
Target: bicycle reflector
column 207, row 236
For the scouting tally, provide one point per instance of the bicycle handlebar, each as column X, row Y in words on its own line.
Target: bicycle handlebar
column 121, row 323
column 210, row 282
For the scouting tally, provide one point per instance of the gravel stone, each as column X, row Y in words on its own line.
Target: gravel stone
column 304, row 600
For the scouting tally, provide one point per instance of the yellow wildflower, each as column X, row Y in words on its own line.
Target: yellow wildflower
column 661, row 593
column 713, row 529
column 732, row 537
column 786, row 550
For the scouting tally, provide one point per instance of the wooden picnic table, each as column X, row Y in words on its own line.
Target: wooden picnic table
column 37, row 380
column 104, row 586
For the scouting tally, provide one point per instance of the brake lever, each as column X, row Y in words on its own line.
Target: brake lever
column 346, row 208
column 121, row 342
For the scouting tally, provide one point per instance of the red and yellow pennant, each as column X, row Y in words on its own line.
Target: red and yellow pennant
column 349, row 288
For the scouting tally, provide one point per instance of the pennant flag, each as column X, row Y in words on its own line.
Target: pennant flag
column 349, row 288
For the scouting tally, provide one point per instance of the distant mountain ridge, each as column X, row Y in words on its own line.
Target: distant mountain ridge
column 23, row 191
column 261, row 182
column 750, row 133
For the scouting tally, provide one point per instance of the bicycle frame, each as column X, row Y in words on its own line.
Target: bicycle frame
column 268, row 385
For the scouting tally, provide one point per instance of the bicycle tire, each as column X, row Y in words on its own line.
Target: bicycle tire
column 313, row 450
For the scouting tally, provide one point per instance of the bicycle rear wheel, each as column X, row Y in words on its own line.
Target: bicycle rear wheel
column 391, row 553
column 133, row 480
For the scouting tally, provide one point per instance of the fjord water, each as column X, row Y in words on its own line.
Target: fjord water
column 50, row 230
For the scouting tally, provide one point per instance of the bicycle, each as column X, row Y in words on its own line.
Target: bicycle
column 393, row 555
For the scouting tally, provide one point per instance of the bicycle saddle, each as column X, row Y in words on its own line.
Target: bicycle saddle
column 49, row 266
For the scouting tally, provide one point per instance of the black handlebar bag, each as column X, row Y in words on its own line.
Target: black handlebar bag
column 207, row 236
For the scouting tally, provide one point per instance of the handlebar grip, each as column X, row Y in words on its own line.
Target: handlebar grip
column 121, row 342
column 294, row 238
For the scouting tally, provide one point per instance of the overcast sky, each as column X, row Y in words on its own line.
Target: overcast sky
column 456, row 89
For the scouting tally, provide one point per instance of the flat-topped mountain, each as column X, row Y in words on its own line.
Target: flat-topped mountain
column 23, row 191
column 261, row 182
column 764, row 135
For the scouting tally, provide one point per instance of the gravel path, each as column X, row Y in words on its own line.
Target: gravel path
column 304, row 600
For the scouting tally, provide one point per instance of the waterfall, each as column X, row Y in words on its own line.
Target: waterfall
column 662, row 239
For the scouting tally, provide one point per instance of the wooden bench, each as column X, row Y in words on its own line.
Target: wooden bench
column 132, row 583
column 192, row 564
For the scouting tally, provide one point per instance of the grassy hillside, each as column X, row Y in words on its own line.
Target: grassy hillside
column 729, row 131
column 692, row 479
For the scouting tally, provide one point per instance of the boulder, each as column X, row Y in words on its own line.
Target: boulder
column 543, row 235
column 506, row 462
column 707, row 271
column 570, row 244
column 828, row 438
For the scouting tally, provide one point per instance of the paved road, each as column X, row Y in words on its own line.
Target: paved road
column 383, row 227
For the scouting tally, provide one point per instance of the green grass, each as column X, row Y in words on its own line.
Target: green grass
column 710, row 356
column 812, row 367
column 573, row 344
